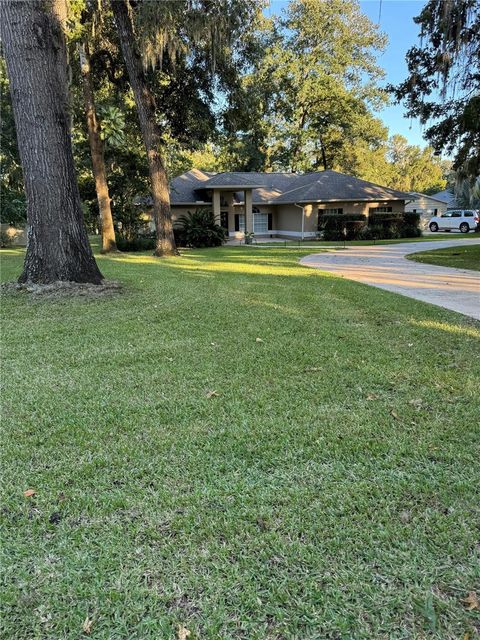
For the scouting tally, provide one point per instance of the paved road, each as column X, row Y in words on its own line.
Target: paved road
column 386, row 267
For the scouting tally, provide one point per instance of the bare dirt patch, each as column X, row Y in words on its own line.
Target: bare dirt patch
column 60, row 289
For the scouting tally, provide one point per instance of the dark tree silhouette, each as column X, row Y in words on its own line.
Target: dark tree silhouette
column 34, row 46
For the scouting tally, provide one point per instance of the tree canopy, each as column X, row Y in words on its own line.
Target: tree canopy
column 443, row 86
column 311, row 91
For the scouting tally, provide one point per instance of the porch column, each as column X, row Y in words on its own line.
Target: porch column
column 248, row 211
column 231, row 212
column 216, row 205
column 308, row 222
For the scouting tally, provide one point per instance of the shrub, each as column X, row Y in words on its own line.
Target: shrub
column 385, row 219
column 390, row 226
column 411, row 219
column 340, row 226
column 199, row 229
column 392, row 231
column 410, row 227
column 381, row 226
column 137, row 243
column 179, row 236
column 372, row 232
column 411, row 231
column 389, row 222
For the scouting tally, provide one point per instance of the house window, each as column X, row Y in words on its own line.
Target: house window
column 260, row 223
column 435, row 211
column 334, row 210
column 415, row 211
column 380, row 210
column 240, row 222
column 224, row 220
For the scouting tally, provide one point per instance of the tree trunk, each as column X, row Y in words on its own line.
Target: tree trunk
column 324, row 155
column 96, row 150
column 35, row 52
column 150, row 131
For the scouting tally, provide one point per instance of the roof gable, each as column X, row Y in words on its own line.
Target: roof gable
column 445, row 196
column 234, row 180
column 183, row 187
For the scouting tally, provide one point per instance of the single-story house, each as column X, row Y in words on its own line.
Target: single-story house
column 279, row 204
column 426, row 206
column 448, row 197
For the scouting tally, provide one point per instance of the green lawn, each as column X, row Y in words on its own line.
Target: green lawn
column 459, row 257
column 329, row 489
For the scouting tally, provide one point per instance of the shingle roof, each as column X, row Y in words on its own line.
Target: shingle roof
column 182, row 188
column 323, row 186
column 416, row 195
column 229, row 179
column 445, row 196
column 330, row 186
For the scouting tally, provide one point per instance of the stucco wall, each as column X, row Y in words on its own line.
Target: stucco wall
column 398, row 206
column 311, row 212
column 287, row 218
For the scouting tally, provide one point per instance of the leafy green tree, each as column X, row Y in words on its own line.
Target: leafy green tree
column 315, row 85
column 183, row 107
column 199, row 34
column 443, row 86
column 96, row 150
column 414, row 168
column 205, row 158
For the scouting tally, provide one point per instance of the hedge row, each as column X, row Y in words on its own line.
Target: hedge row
column 146, row 242
column 354, row 226
column 197, row 229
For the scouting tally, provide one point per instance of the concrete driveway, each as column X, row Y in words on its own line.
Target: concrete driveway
column 386, row 267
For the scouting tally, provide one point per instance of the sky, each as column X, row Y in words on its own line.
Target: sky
column 396, row 20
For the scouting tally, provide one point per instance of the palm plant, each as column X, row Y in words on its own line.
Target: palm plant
column 199, row 229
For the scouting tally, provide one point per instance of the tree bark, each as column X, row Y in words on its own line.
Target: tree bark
column 324, row 155
column 34, row 47
column 150, row 131
column 96, row 150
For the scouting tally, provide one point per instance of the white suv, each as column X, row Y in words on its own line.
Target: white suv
column 463, row 220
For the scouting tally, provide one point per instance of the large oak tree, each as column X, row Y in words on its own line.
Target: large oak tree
column 152, row 137
column 96, row 150
column 34, row 46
